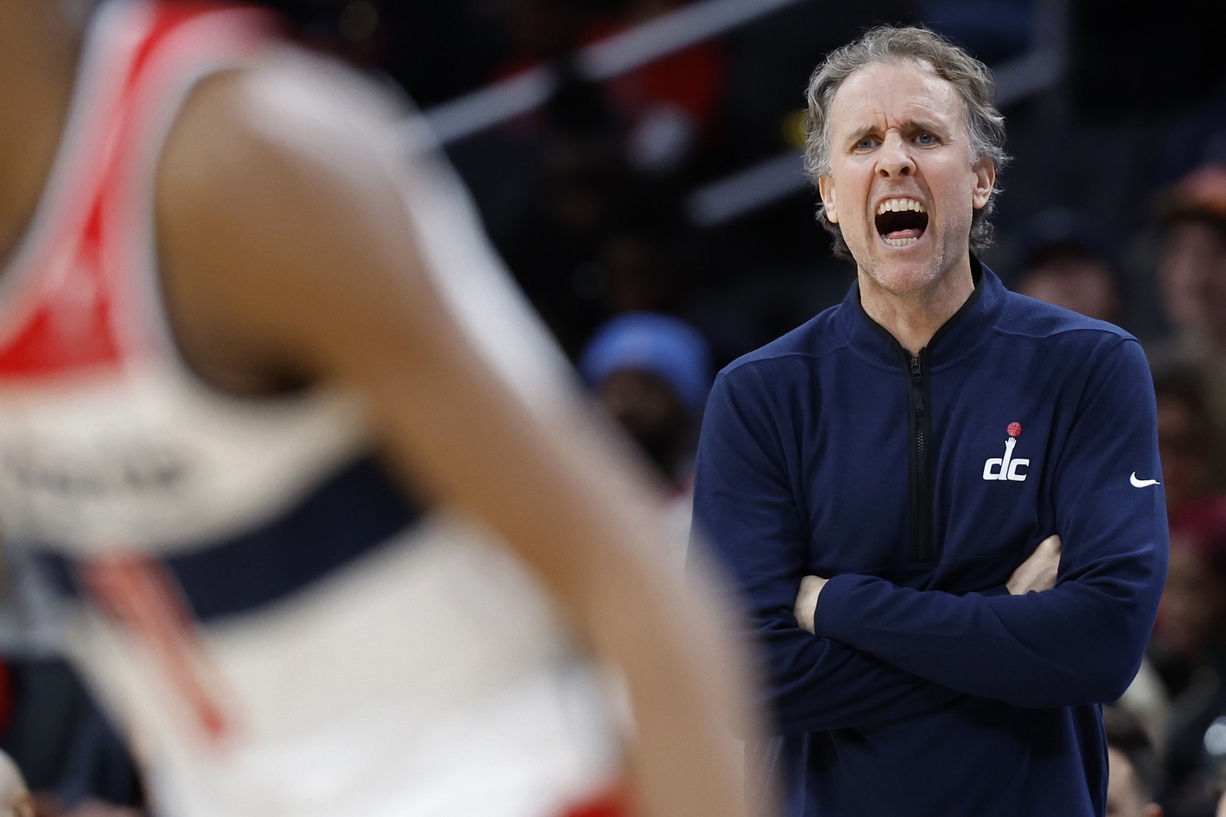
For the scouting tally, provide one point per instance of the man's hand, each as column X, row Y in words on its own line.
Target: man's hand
column 806, row 600
column 1038, row 572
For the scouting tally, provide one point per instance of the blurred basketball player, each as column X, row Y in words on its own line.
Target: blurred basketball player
column 266, row 401
column 15, row 799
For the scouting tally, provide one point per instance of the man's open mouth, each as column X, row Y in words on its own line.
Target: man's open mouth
column 901, row 221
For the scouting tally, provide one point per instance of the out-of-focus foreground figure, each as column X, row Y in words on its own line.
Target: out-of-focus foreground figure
column 15, row 799
column 267, row 406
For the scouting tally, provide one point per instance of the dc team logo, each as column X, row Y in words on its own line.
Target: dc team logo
column 1008, row 468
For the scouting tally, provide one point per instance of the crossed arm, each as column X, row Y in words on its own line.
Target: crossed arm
column 1036, row 574
column 1082, row 640
column 883, row 652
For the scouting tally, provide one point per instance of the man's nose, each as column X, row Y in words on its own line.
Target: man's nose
column 895, row 158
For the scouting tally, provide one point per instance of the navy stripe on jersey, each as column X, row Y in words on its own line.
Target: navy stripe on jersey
column 353, row 513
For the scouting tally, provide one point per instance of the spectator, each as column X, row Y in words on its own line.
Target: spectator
column 1191, row 447
column 569, row 211
column 651, row 372
column 1067, row 262
column 1192, row 274
column 645, row 259
column 1188, row 649
column 1133, row 770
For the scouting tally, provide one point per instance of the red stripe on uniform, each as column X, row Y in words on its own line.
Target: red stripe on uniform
column 137, row 593
column 614, row 802
column 70, row 326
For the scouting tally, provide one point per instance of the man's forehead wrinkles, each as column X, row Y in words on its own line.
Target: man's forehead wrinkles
column 868, row 98
column 877, row 122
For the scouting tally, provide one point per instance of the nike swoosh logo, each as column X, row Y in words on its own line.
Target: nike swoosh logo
column 1141, row 483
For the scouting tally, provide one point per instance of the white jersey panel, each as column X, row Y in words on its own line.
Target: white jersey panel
column 160, row 463
column 405, row 667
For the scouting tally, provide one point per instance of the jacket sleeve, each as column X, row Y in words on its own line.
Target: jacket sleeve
column 1081, row 641
column 745, row 512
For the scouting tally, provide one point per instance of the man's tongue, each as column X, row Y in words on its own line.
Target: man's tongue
column 910, row 232
column 901, row 228
column 901, row 238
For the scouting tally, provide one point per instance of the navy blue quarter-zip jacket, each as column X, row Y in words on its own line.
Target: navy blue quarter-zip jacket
column 917, row 484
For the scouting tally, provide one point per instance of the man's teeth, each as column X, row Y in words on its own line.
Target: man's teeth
column 898, row 205
column 900, row 242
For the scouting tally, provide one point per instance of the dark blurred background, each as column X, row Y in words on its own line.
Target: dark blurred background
column 606, row 198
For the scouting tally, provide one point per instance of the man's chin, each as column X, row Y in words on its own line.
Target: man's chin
column 899, row 275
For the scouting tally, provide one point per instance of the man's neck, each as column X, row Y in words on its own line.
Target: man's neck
column 38, row 54
column 913, row 318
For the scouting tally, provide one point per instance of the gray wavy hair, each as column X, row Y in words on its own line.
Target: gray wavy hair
column 970, row 78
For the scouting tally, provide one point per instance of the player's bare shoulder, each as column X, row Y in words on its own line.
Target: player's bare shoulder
column 290, row 107
column 280, row 196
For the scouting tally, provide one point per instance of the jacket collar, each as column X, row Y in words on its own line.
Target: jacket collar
column 960, row 335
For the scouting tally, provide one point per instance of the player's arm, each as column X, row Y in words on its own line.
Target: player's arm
column 1079, row 642
column 745, row 506
column 282, row 223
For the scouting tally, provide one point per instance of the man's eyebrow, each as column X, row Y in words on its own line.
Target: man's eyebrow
column 860, row 133
column 920, row 123
column 907, row 126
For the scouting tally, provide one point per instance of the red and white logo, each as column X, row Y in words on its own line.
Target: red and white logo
column 1007, row 468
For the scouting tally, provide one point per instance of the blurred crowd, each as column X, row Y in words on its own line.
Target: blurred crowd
column 1115, row 206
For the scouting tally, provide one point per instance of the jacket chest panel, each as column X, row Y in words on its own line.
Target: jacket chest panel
column 986, row 439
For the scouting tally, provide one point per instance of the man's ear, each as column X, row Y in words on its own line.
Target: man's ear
column 985, row 180
column 825, row 187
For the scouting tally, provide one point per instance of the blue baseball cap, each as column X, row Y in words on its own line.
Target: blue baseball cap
column 660, row 344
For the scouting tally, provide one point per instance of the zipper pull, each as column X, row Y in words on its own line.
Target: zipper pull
column 917, row 379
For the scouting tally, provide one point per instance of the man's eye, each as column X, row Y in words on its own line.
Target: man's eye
column 925, row 139
column 866, row 143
